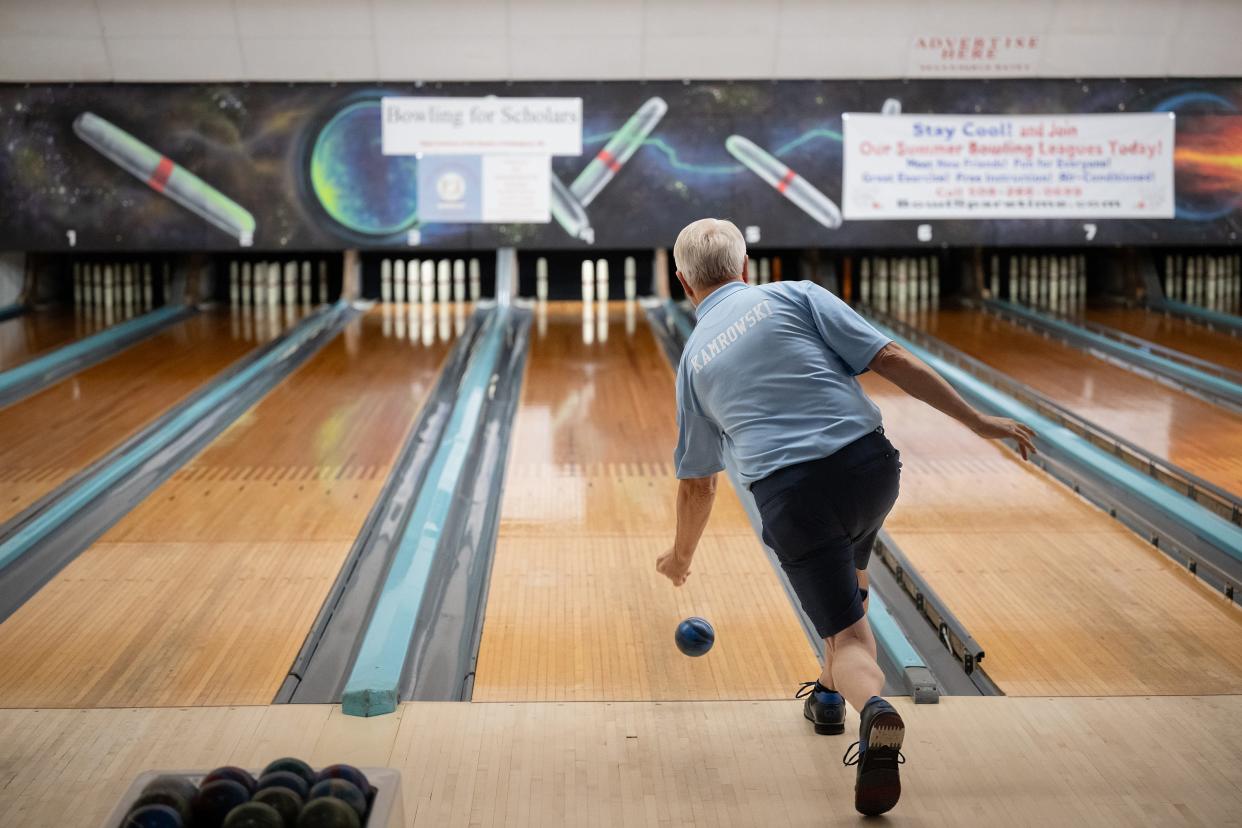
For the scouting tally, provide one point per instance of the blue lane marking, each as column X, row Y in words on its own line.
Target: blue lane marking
column 1226, row 320
column 889, row 634
column 48, row 363
column 1215, row 530
column 374, row 681
column 78, row 498
column 1166, row 366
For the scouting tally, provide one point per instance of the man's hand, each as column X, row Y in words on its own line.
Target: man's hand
column 1003, row 428
column 672, row 567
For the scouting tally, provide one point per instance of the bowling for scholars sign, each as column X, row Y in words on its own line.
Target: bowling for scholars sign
column 481, row 126
column 1109, row 166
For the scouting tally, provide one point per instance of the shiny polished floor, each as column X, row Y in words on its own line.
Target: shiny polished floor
column 58, row 431
column 1202, row 438
column 203, row 593
column 576, row 610
column 972, row 763
column 1174, row 332
column 38, row 332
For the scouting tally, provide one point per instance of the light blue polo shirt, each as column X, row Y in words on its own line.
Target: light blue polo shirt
column 769, row 375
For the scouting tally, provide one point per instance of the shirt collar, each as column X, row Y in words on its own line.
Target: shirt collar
column 715, row 297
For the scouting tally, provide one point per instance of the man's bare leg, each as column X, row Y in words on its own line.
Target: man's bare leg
column 850, row 664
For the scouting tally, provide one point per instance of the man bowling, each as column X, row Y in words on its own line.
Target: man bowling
column 769, row 375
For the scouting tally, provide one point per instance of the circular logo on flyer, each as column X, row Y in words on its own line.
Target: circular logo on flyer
column 451, row 186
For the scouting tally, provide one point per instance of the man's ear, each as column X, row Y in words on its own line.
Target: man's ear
column 746, row 270
column 685, row 286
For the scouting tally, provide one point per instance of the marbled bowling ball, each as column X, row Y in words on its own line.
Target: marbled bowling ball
column 695, row 636
column 355, row 183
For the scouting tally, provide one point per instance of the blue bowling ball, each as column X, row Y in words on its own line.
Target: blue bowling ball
column 695, row 636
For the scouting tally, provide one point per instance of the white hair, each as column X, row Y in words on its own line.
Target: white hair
column 709, row 251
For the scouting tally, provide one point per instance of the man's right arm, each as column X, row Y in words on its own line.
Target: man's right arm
column 916, row 378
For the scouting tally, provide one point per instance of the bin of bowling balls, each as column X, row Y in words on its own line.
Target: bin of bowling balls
column 286, row 793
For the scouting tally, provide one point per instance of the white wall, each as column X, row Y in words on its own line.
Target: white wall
column 198, row 40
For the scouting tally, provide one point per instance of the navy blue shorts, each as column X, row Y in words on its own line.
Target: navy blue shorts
column 822, row 517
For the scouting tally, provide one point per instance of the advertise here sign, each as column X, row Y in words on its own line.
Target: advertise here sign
column 1008, row 166
column 482, row 126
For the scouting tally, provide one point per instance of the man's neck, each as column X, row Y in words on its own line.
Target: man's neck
column 703, row 296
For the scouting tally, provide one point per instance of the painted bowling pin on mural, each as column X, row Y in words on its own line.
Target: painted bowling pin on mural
column 785, row 181
column 165, row 176
column 568, row 204
column 619, row 149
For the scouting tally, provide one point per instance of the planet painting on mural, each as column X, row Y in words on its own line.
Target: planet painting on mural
column 357, row 185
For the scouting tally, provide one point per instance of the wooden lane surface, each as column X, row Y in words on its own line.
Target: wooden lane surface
column 203, row 594
column 1173, row 332
column 37, row 332
column 974, row 762
column 55, row 433
column 1201, row 437
column 1062, row 599
column 576, row 610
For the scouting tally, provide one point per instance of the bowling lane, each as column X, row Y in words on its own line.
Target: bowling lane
column 1064, row 600
column 1196, row 435
column 203, row 594
column 1173, row 332
column 38, row 332
column 55, row 433
column 576, row 610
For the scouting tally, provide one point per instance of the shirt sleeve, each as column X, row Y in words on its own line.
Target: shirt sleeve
column 843, row 329
column 700, row 443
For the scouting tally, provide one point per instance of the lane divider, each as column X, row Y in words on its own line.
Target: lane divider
column 41, row 371
column 1215, row 530
column 373, row 686
column 73, row 501
column 1185, row 374
column 1216, row 319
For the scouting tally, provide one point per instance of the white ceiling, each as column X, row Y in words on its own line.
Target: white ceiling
column 368, row 40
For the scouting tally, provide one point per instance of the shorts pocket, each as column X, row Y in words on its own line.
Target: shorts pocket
column 801, row 521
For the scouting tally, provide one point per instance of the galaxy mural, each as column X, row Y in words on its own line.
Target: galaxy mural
column 299, row 166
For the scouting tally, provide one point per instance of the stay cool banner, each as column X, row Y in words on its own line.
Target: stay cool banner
column 1008, row 167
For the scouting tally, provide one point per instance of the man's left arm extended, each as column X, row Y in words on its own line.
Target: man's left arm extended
column 695, row 497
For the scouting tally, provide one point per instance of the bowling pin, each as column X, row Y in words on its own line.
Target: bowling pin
column 588, row 287
column 260, row 284
column 443, row 317
column 109, row 291
column 601, row 321
column 234, row 276
column 147, row 293
column 476, row 280
column 247, row 285
column 601, row 283
column 903, row 284
column 933, row 275
column 399, row 320
column 273, row 284
column 386, row 281
column 413, row 277
column 444, row 271
column 427, row 283
column 291, row 286
column 541, row 279
column 1054, row 283
column 459, row 318
column 994, row 281
column 397, row 277
column 323, row 282
column 765, row 271
column 459, row 280
column 77, row 285
column 306, row 283
column 631, row 278
column 864, row 280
